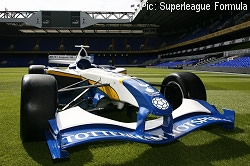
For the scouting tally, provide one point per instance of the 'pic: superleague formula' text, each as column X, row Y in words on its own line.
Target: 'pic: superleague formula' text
column 195, row 7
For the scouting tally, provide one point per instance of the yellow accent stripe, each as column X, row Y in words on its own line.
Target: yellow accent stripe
column 64, row 74
column 121, row 80
column 112, row 94
column 124, row 72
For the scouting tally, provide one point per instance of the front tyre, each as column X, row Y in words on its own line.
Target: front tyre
column 36, row 69
column 177, row 86
column 38, row 105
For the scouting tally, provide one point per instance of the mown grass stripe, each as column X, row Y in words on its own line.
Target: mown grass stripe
column 211, row 146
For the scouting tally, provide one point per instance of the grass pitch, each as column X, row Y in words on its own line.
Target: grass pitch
column 210, row 146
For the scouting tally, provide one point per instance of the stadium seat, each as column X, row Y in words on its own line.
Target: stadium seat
column 237, row 62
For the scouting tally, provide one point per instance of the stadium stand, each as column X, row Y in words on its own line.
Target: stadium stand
column 49, row 44
column 177, row 64
column 96, row 43
column 156, row 38
column 99, row 43
column 22, row 60
column 235, row 62
column 135, row 43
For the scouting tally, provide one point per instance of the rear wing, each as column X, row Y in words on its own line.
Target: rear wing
column 82, row 46
column 62, row 59
column 71, row 59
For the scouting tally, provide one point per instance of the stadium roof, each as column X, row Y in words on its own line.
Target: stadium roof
column 73, row 5
column 165, row 21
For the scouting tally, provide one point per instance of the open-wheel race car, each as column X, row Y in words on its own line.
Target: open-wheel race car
column 64, row 105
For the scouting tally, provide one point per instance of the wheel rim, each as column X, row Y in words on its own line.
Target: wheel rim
column 174, row 94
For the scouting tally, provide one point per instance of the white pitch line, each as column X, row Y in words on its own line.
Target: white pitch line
column 239, row 74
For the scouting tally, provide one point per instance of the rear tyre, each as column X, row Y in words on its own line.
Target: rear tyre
column 177, row 86
column 36, row 69
column 38, row 105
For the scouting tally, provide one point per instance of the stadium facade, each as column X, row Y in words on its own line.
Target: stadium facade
column 145, row 37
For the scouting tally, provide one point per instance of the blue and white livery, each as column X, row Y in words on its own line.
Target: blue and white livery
column 95, row 87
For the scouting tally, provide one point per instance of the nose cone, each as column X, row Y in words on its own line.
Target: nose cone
column 148, row 97
column 161, row 106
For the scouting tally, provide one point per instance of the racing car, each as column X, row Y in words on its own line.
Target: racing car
column 63, row 105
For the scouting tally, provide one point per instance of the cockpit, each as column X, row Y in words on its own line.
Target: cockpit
column 83, row 64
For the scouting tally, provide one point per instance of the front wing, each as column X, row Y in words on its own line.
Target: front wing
column 63, row 135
